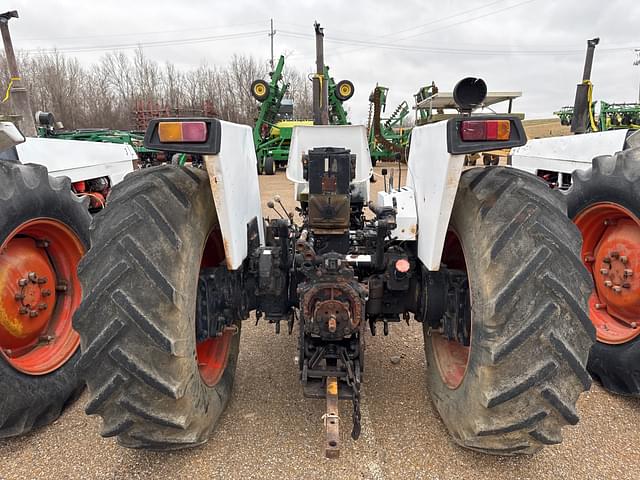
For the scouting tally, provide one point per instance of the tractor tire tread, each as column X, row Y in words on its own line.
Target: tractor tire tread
column 27, row 191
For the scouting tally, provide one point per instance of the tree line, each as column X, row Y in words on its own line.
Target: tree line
column 106, row 93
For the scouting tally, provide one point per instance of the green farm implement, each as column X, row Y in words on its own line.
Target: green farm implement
column 274, row 125
column 388, row 137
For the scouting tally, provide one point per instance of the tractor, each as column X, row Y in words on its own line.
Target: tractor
column 47, row 190
column 486, row 259
column 599, row 173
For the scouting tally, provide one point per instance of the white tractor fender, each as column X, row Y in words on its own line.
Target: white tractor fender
column 433, row 175
column 236, row 192
column 79, row 160
column 568, row 153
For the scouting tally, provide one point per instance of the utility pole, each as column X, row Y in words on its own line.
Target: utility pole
column 272, row 34
column 320, row 85
column 636, row 62
column 18, row 93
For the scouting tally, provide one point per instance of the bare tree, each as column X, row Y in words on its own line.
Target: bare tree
column 106, row 93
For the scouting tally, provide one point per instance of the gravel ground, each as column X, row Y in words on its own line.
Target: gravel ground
column 271, row 431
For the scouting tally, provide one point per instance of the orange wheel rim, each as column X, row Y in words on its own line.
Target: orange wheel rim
column 611, row 252
column 39, row 292
column 452, row 357
column 212, row 354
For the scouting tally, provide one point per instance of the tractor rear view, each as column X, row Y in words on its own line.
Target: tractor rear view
column 486, row 260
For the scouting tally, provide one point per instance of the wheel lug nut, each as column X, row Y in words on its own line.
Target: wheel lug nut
column 42, row 280
column 626, row 285
column 46, row 292
column 628, row 272
column 617, row 288
column 23, row 282
column 606, row 260
column 604, row 271
column 33, row 313
column 624, row 259
column 42, row 306
column 19, row 296
column 614, row 254
column 23, row 310
column 33, row 277
column 608, row 283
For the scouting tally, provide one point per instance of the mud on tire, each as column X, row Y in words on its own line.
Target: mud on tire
column 137, row 319
column 27, row 192
column 612, row 179
column 530, row 331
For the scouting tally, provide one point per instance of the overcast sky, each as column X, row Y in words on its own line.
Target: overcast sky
column 533, row 46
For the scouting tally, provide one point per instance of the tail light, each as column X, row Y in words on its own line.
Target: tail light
column 485, row 130
column 171, row 132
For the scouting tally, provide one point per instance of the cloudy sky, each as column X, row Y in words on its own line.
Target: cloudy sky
column 533, row 46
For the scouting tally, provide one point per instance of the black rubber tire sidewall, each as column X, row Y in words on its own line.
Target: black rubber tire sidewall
column 469, row 411
column 27, row 192
column 613, row 179
column 147, row 401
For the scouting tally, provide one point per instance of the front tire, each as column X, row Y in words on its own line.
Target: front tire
column 153, row 385
column 269, row 166
column 44, row 230
column 514, row 388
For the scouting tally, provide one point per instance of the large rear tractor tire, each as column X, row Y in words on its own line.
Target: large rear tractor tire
column 149, row 379
column 604, row 202
column 516, row 385
column 44, row 231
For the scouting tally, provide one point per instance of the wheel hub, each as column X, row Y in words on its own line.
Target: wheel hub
column 27, row 299
column 39, row 291
column 617, row 258
column 611, row 251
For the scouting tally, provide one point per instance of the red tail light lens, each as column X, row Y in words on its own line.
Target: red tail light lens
column 485, row 130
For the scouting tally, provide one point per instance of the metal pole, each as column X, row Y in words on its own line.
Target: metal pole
column 272, row 34
column 581, row 107
column 320, row 85
column 636, row 62
column 19, row 96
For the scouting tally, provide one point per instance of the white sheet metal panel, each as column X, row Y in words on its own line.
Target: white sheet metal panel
column 568, row 153
column 353, row 137
column 236, row 192
column 406, row 216
column 79, row 160
column 434, row 175
column 445, row 99
column 10, row 136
